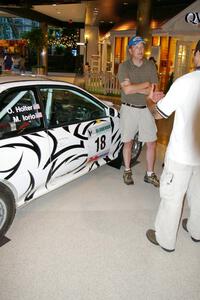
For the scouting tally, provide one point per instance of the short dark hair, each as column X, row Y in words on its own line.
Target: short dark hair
column 197, row 47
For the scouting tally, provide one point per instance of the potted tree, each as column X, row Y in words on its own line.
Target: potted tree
column 36, row 41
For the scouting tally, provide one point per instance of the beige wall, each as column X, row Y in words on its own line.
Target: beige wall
column 92, row 34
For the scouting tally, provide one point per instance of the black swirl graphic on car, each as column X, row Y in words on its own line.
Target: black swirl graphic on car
column 12, row 170
column 30, row 190
column 34, row 146
column 55, row 154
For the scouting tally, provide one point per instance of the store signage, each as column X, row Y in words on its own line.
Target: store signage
column 193, row 18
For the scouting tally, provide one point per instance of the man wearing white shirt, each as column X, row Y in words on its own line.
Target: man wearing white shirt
column 181, row 173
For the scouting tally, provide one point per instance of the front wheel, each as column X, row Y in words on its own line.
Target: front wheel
column 7, row 209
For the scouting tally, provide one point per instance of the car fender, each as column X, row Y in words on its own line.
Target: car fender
column 11, row 188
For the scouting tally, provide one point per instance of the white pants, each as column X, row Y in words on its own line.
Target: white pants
column 176, row 181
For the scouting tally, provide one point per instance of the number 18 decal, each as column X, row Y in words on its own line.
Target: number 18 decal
column 99, row 140
column 100, row 143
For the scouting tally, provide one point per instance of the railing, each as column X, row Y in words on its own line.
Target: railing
column 108, row 83
column 102, row 83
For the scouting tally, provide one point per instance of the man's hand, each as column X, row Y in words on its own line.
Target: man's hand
column 146, row 85
column 145, row 88
column 157, row 96
column 152, row 98
column 154, row 95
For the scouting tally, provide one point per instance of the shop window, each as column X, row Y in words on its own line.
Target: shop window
column 182, row 60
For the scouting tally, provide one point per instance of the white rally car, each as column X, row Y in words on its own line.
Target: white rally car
column 51, row 132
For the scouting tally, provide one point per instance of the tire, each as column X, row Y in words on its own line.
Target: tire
column 136, row 150
column 7, row 209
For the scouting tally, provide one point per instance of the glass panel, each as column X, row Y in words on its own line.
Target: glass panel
column 19, row 113
column 64, row 107
column 182, row 59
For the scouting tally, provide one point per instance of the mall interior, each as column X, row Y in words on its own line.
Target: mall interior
column 86, row 240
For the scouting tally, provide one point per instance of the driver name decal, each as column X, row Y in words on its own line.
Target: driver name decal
column 20, row 113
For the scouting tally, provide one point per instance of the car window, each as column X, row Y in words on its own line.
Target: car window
column 67, row 106
column 19, row 112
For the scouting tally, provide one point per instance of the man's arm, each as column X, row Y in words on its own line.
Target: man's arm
column 133, row 88
column 129, row 87
column 152, row 107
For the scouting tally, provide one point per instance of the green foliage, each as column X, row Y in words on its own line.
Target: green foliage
column 36, row 41
column 59, row 50
column 35, row 38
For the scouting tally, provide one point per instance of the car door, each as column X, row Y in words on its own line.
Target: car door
column 24, row 145
column 79, row 130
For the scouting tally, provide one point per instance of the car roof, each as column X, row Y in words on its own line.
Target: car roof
column 13, row 81
column 19, row 80
column 10, row 81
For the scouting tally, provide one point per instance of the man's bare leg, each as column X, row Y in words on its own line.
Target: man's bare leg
column 150, row 176
column 150, row 156
column 127, row 149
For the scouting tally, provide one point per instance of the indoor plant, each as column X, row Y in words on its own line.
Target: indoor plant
column 36, row 41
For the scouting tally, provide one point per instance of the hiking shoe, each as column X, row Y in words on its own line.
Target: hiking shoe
column 184, row 225
column 153, row 179
column 128, row 177
column 151, row 236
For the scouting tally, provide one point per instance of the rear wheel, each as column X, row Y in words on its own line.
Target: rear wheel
column 7, row 209
column 136, row 150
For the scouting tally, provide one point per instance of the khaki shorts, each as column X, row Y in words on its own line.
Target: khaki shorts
column 133, row 120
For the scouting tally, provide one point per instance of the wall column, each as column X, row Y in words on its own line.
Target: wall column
column 92, row 40
column 104, row 56
column 44, row 54
column 143, row 23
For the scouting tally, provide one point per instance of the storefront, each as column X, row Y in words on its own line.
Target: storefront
column 173, row 44
column 13, row 46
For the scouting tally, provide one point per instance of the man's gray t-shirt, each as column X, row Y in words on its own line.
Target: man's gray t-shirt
column 146, row 72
